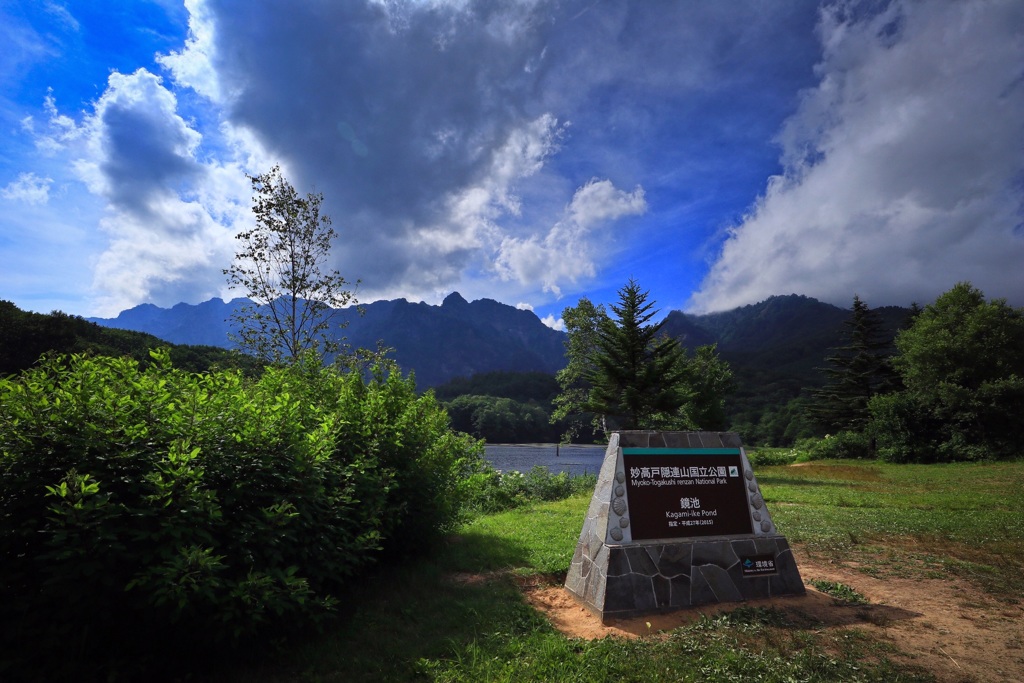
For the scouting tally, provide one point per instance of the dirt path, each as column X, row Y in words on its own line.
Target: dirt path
column 954, row 630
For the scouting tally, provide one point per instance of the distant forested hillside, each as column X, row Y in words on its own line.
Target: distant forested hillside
column 775, row 348
column 25, row 336
column 438, row 343
column 504, row 407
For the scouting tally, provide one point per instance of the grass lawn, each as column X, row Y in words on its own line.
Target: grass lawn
column 927, row 520
column 460, row 616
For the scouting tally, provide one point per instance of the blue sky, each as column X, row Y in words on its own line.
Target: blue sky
column 529, row 151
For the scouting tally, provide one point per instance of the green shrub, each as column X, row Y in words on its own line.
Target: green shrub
column 772, row 456
column 843, row 445
column 907, row 430
column 542, row 485
column 164, row 511
column 903, row 430
column 494, row 491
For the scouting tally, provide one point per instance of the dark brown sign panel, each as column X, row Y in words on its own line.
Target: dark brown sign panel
column 682, row 492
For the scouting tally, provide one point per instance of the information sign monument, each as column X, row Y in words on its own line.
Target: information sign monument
column 677, row 520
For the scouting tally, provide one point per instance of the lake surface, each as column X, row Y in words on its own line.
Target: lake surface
column 571, row 458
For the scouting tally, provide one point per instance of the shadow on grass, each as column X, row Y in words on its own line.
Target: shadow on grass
column 460, row 615
column 775, row 480
column 430, row 608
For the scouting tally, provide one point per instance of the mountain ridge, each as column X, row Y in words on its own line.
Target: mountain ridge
column 783, row 337
column 776, row 347
column 437, row 342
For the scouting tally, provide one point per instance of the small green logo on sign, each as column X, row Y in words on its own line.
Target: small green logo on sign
column 758, row 565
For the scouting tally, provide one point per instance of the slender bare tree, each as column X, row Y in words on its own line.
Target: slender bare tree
column 293, row 304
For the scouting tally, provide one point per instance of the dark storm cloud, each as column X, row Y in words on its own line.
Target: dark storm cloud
column 399, row 110
column 386, row 113
column 402, row 112
column 146, row 147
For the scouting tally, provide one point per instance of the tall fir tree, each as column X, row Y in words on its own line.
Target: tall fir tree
column 638, row 378
column 857, row 370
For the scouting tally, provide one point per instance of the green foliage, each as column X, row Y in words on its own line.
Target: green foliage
column 962, row 362
column 781, row 425
column 582, row 323
column 843, row 445
column 165, row 511
column 843, row 594
column 638, row 378
column 501, row 420
column 293, row 302
column 857, row 370
column 766, row 456
column 903, row 429
column 710, row 380
column 492, row 491
column 503, row 407
column 623, row 373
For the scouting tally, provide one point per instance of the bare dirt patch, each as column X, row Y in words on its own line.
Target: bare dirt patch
column 951, row 628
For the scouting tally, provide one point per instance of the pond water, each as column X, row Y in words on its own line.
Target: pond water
column 571, row 458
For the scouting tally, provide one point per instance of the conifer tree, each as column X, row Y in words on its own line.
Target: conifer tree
column 857, row 370
column 638, row 378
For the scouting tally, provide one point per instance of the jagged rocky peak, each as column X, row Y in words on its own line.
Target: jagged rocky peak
column 454, row 300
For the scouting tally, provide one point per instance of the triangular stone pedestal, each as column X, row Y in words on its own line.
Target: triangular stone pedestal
column 615, row 575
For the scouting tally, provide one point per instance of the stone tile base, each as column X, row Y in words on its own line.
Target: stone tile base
column 629, row 581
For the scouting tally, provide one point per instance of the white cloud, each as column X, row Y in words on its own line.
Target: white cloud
column 62, row 15
column 192, row 67
column 474, row 208
column 170, row 216
column 902, row 167
column 566, row 253
column 136, row 143
column 553, row 323
column 28, row 188
column 61, row 130
column 471, row 221
column 599, row 201
column 523, row 306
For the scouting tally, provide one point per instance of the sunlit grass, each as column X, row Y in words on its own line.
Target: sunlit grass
column 460, row 615
column 954, row 520
column 545, row 534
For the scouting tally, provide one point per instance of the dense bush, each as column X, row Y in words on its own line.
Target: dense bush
column 501, row 420
column 490, row 490
column 767, row 457
column 781, row 423
column 902, row 429
column 156, row 511
column 962, row 367
column 842, row 445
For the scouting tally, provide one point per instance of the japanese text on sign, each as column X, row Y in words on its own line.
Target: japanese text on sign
column 685, row 492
